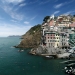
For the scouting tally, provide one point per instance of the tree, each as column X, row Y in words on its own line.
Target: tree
column 73, row 15
column 46, row 18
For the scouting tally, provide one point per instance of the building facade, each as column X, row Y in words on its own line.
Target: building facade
column 56, row 33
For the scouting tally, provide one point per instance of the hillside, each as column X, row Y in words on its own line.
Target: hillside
column 31, row 38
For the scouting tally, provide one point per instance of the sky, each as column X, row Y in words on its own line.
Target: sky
column 18, row 16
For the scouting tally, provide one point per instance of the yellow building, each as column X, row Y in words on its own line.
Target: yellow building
column 57, row 38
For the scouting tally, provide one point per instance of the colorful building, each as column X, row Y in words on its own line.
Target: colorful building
column 56, row 33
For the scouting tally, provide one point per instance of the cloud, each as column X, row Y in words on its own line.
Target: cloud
column 62, row 4
column 58, row 5
column 33, row 18
column 12, row 1
column 26, row 22
column 10, row 10
column 15, row 15
column 56, row 12
column 9, row 29
column 23, row 4
column 14, row 21
column 69, row 12
column 69, row 2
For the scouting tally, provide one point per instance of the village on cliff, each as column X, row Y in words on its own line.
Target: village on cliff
column 57, row 37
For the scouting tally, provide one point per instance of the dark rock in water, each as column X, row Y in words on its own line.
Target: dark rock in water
column 15, row 46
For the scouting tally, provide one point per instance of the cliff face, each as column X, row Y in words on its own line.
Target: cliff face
column 31, row 38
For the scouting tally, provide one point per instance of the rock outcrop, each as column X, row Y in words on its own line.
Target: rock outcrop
column 31, row 38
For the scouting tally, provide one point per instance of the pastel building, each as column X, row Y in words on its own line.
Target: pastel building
column 63, row 42
column 55, row 34
column 50, row 39
column 63, row 21
column 55, row 40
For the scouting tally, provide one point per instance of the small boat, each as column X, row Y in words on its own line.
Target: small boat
column 49, row 56
column 22, row 50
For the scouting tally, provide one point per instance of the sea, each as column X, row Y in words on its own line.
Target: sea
column 13, row 62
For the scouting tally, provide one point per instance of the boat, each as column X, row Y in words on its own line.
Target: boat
column 22, row 50
column 51, row 57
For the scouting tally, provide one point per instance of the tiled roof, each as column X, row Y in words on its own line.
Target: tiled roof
column 51, row 23
column 72, row 25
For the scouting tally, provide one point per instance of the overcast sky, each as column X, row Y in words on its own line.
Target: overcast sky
column 18, row 16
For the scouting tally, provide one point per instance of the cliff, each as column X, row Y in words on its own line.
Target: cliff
column 31, row 38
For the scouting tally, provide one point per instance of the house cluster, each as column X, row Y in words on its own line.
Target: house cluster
column 58, row 32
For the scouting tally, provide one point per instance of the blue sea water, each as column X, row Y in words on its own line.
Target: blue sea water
column 13, row 62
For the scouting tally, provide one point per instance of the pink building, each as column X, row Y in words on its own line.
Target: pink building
column 51, row 23
column 72, row 25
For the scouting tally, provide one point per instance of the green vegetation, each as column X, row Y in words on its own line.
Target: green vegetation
column 73, row 15
column 35, row 29
column 31, row 38
column 46, row 18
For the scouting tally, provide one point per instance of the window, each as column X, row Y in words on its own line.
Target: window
column 49, row 44
column 45, row 37
column 48, row 37
column 57, row 44
column 48, row 40
column 53, row 35
column 62, row 43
